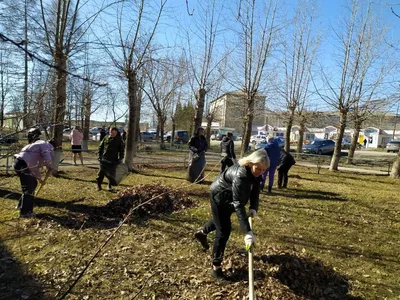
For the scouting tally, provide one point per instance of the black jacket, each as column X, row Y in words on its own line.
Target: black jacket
column 112, row 148
column 234, row 187
column 286, row 159
column 228, row 147
column 198, row 144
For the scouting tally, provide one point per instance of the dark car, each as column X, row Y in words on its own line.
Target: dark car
column 181, row 136
column 146, row 136
column 8, row 139
column 320, row 147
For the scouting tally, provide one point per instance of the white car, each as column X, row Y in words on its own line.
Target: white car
column 254, row 139
column 94, row 130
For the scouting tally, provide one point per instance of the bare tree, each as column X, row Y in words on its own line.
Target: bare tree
column 135, row 43
column 257, row 46
column 164, row 78
column 359, row 44
column 204, row 59
column 298, row 55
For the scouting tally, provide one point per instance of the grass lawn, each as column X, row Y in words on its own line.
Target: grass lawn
column 340, row 230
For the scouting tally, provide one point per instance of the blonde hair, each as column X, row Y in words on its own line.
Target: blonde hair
column 257, row 157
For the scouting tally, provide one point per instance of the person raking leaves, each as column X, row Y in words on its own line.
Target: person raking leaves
column 230, row 193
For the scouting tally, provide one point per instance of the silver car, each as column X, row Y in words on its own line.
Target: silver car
column 393, row 146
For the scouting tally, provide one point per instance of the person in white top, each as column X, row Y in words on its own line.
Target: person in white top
column 76, row 143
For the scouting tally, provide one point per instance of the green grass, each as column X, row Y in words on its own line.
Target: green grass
column 350, row 222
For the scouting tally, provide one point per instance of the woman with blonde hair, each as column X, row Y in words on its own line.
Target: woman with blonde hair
column 230, row 193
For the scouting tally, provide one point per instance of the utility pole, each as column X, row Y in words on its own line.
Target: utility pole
column 395, row 121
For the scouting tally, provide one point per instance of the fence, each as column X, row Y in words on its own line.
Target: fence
column 178, row 156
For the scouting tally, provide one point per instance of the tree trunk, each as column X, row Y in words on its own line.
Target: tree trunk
column 208, row 128
column 131, row 143
column 26, row 119
column 161, row 122
column 87, row 106
column 59, row 107
column 338, row 145
column 248, row 123
column 354, row 141
column 300, row 142
column 3, row 98
column 198, row 116
column 395, row 173
column 289, row 130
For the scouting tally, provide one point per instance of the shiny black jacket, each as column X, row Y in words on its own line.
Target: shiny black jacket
column 235, row 186
column 111, row 148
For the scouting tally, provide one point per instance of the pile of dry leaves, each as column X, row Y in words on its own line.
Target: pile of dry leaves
column 163, row 199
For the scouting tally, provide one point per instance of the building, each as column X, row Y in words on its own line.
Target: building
column 229, row 111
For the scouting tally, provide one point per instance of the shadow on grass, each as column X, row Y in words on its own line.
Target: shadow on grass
column 15, row 283
column 343, row 251
column 308, row 278
column 312, row 195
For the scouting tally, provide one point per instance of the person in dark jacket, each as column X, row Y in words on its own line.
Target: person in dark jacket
column 286, row 162
column 102, row 133
column 273, row 152
column 230, row 193
column 111, row 153
column 197, row 156
column 227, row 151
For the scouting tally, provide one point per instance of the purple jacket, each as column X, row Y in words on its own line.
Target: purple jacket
column 37, row 155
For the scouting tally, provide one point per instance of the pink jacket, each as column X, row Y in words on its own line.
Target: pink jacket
column 76, row 137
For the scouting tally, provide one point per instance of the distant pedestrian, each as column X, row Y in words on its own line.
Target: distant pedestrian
column 76, row 143
column 286, row 162
column 273, row 152
column 227, row 152
column 124, row 135
column 102, row 133
column 365, row 142
column 111, row 153
column 197, row 156
column 27, row 165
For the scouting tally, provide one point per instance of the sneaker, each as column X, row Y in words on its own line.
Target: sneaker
column 202, row 238
column 27, row 215
column 110, row 188
column 219, row 275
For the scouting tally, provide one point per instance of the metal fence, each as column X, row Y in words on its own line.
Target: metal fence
column 179, row 156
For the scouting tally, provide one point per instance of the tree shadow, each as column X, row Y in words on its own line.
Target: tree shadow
column 15, row 283
column 308, row 278
column 313, row 195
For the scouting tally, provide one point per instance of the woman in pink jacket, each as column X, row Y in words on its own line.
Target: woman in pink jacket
column 76, row 142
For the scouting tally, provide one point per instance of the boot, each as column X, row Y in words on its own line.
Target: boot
column 202, row 238
column 219, row 275
column 98, row 186
column 110, row 188
column 269, row 189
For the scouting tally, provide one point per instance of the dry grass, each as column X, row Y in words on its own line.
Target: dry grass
column 350, row 222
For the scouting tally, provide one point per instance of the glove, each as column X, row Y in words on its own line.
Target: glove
column 250, row 240
column 252, row 212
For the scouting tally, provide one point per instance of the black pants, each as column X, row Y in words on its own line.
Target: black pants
column 283, row 176
column 221, row 222
column 107, row 169
column 226, row 161
column 28, row 185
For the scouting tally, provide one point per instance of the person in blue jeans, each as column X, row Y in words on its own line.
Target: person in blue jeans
column 273, row 152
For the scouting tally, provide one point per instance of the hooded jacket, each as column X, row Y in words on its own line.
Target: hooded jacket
column 227, row 147
column 286, row 159
column 274, row 153
column 235, row 187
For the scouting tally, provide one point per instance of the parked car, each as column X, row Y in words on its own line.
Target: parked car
column 94, row 130
column 346, row 144
column 320, row 147
column 254, row 139
column 8, row 139
column 181, row 136
column 393, row 146
column 263, row 143
column 146, row 136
